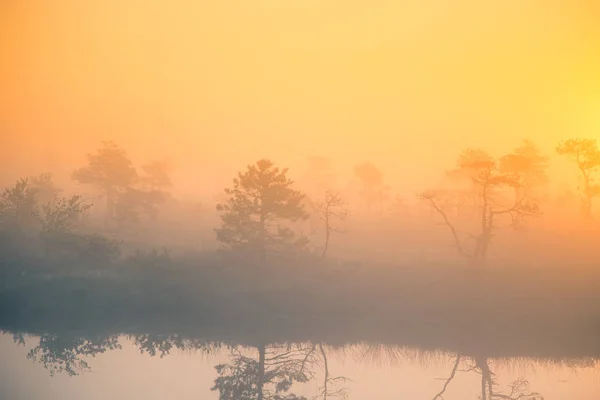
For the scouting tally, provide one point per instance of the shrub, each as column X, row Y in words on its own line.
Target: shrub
column 92, row 249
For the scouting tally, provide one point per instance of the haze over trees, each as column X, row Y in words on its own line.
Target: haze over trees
column 326, row 128
column 156, row 175
column 55, row 224
column 103, row 282
column 127, row 193
column 374, row 191
column 44, row 186
column 585, row 154
column 319, row 176
column 111, row 171
column 17, row 205
column 259, row 204
column 155, row 183
column 527, row 162
column 493, row 191
column 62, row 215
column 264, row 211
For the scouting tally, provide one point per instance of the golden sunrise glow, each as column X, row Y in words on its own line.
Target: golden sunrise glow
column 295, row 192
column 406, row 84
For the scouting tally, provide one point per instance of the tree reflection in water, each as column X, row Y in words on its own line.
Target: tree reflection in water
column 271, row 374
column 266, row 371
column 518, row 389
column 62, row 353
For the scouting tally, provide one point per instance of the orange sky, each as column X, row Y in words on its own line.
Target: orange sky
column 218, row 84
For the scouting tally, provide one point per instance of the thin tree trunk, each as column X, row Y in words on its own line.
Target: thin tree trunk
column 327, row 234
column 483, row 391
column 326, row 367
column 261, row 372
column 486, row 378
column 486, row 229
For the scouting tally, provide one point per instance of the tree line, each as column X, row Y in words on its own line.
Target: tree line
column 262, row 204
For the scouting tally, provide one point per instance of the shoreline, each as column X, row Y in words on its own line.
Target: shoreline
column 507, row 312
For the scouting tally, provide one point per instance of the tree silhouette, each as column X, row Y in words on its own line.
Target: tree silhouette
column 398, row 207
column 163, row 344
column 332, row 207
column 155, row 182
column 156, row 176
column 528, row 162
column 261, row 199
column 45, row 187
column 518, row 389
column 373, row 188
column 62, row 214
column 270, row 376
column 65, row 354
column 328, row 390
column 18, row 205
column 489, row 184
column 134, row 202
column 110, row 170
column 587, row 157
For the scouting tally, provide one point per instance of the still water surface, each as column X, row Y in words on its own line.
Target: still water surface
column 358, row 371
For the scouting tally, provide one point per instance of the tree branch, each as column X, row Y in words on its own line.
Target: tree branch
column 449, row 379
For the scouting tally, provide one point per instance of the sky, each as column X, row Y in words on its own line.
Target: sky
column 216, row 85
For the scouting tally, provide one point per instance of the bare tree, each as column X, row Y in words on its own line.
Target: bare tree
column 519, row 389
column 496, row 192
column 326, row 391
column 332, row 207
column 440, row 394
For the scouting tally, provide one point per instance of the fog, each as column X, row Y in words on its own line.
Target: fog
column 385, row 224
column 391, row 173
column 214, row 86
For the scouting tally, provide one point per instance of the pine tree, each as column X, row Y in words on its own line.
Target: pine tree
column 262, row 198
